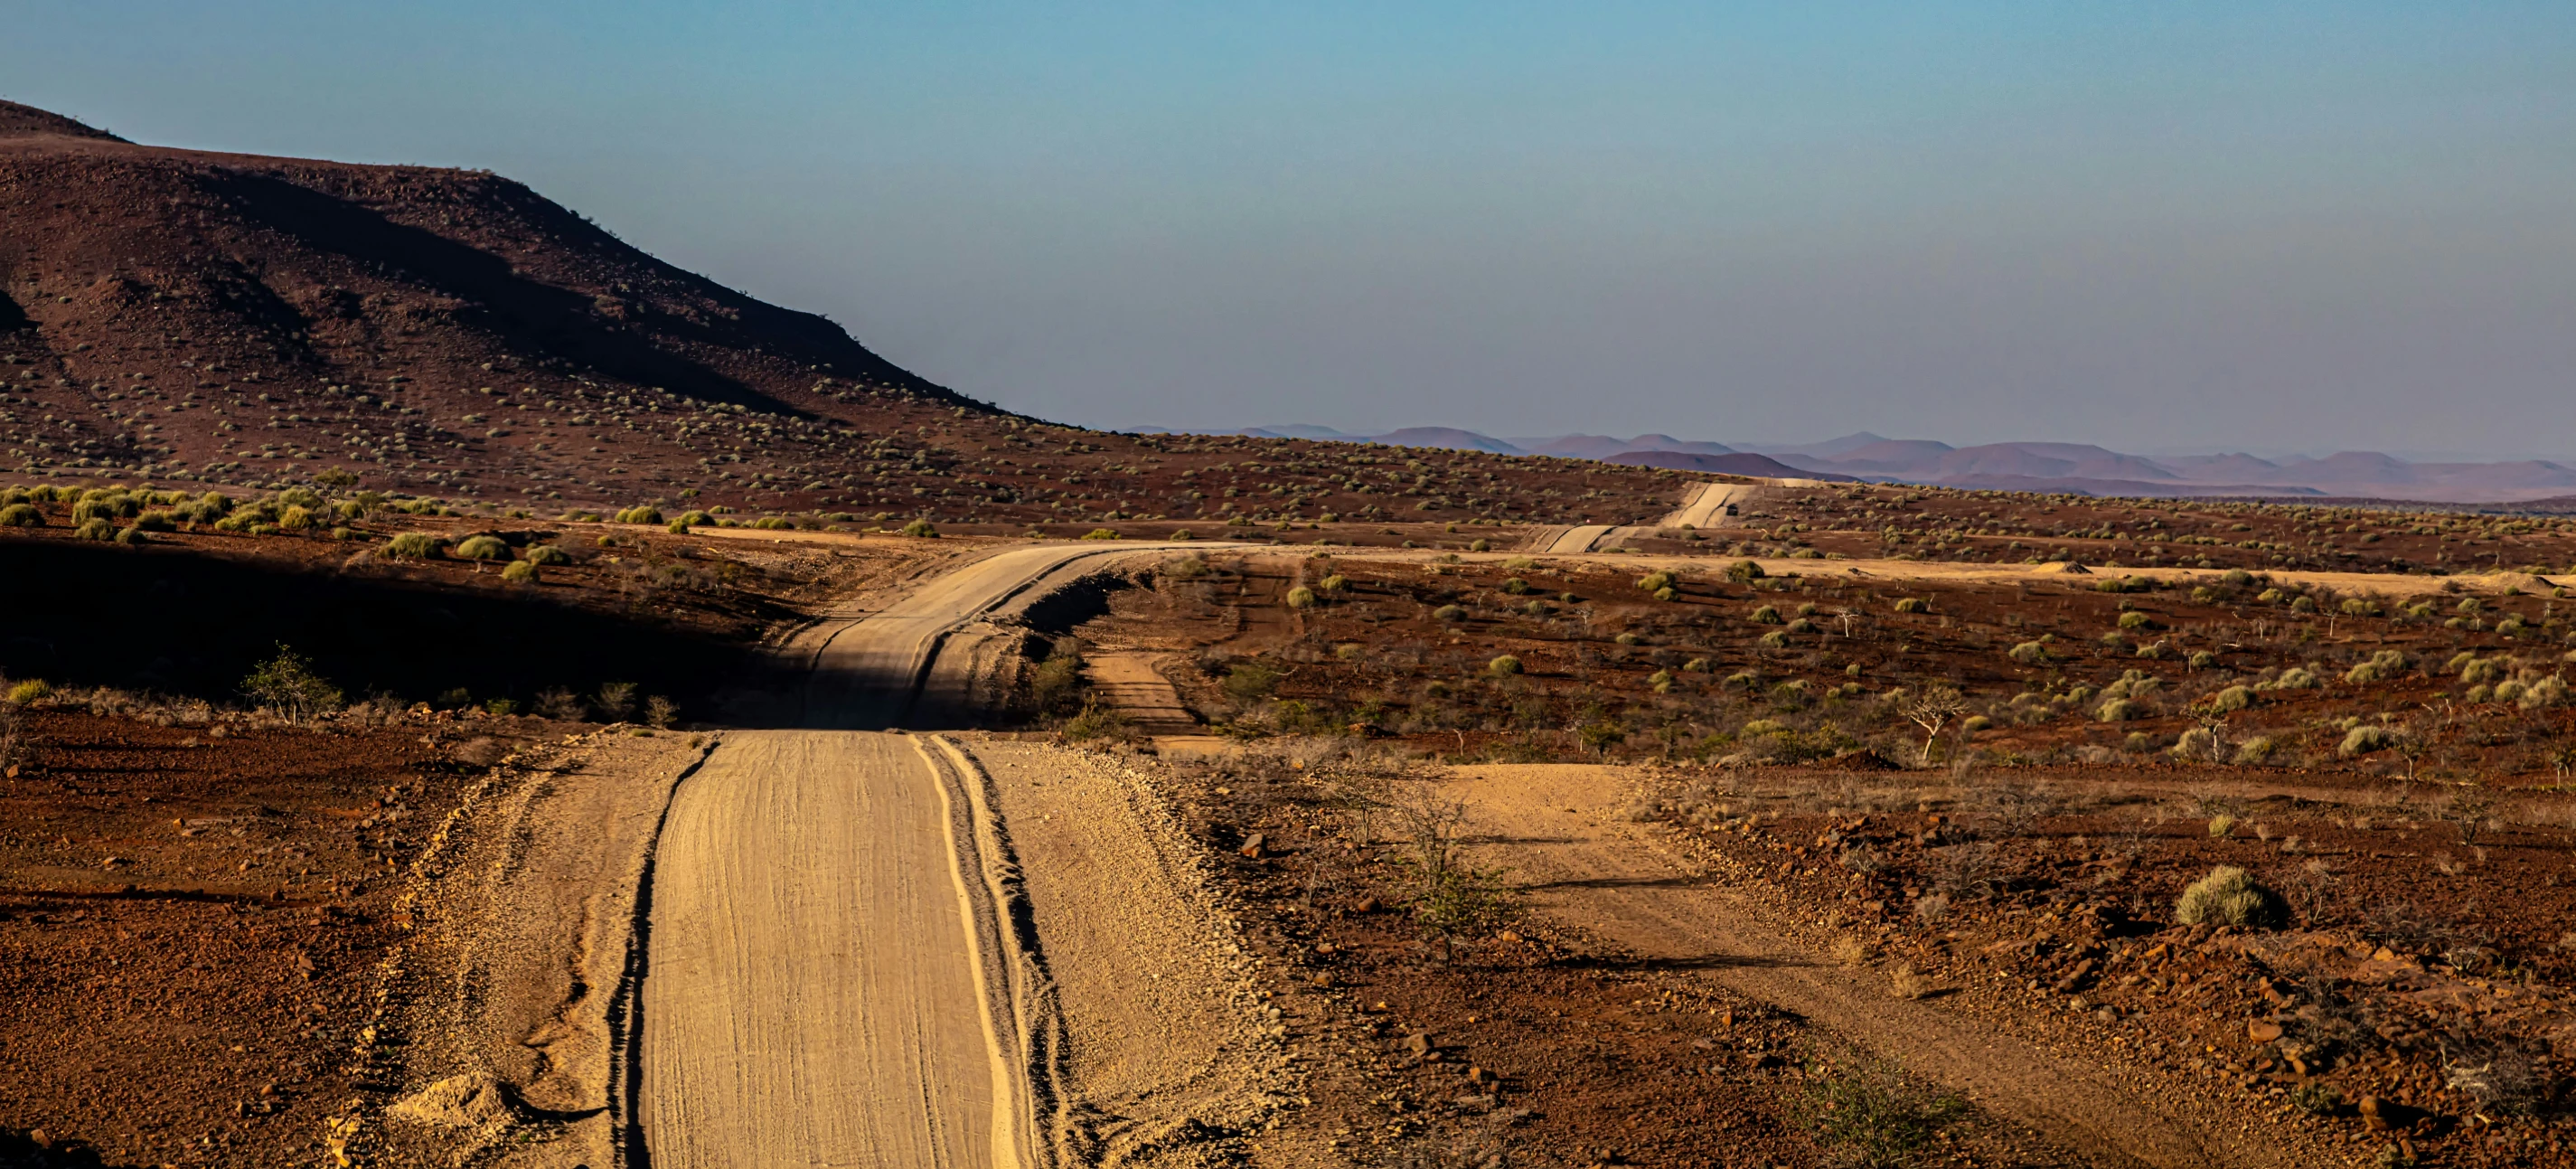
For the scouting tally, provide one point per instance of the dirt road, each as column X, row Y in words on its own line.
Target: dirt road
column 830, row 975
column 1558, row 829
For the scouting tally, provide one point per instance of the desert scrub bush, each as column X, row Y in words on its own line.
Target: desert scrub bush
column 1766, row 615
column 1875, row 1118
column 693, row 518
column 2366, row 738
column 1096, row 722
column 1654, row 582
column 413, row 546
column 1744, row 571
column 1334, row 584
column 557, row 702
column 520, row 572
column 2231, row 700
column 2382, row 666
column 1189, row 567
column 2294, row 678
column 1446, row 613
column 2120, row 710
column 295, row 518
column 1776, row 639
column 2134, row 619
column 1505, row 664
column 921, row 529
column 2255, row 751
column 1250, row 682
column 548, row 555
column 1513, row 585
column 2230, row 896
column 1056, row 684
column 483, row 547
column 29, row 691
column 95, row 528
column 1302, row 597
column 288, row 685
column 647, row 514
column 1101, row 534
column 131, row 535
column 615, row 700
column 21, row 515
column 1913, row 605
column 660, row 712
column 2029, row 653
column 2547, row 692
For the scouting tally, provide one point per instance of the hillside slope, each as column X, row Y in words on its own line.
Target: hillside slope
column 185, row 317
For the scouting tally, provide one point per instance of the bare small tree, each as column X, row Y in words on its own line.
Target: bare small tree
column 2206, row 715
column 1932, row 710
column 1452, row 899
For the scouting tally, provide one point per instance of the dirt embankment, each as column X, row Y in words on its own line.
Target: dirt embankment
column 504, row 1011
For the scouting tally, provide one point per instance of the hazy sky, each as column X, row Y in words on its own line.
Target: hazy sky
column 2167, row 225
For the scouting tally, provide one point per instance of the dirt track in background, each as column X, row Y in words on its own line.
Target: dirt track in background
column 1557, row 828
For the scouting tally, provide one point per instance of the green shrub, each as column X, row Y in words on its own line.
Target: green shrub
column 20, row 515
column 2231, row 700
column 1505, row 664
column 1183, row 534
column 1250, row 682
column 344, row 533
column 646, row 514
column 1480, row 544
column 1773, row 640
column 1301, row 597
column 1101, row 534
column 548, row 554
column 131, row 534
column 2134, row 620
column 483, row 547
column 1655, row 582
column 2120, row 710
column 287, row 684
column 693, row 518
column 29, row 691
column 1913, row 605
column 156, row 521
column 95, row 528
column 771, row 523
column 413, row 546
column 2547, row 692
column 295, row 518
column 2230, row 896
column 1515, row 586
column 2366, row 738
column 1873, row 1118
column 921, row 529
column 1744, row 571
column 520, row 572
column 1334, row 583
column 1448, row 613
column 1766, row 615
column 1096, row 722
column 2029, row 653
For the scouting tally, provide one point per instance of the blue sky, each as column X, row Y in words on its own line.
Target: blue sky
column 2181, row 225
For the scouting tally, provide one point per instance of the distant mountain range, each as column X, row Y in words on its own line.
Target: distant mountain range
column 2078, row 468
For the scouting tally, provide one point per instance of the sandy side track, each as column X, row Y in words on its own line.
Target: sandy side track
column 1557, row 828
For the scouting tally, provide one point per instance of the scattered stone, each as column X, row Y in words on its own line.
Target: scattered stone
column 1253, row 845
column 2262, row 1030
column 1418, row 1043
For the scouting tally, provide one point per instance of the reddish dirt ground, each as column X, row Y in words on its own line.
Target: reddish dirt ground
column 190, row 916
